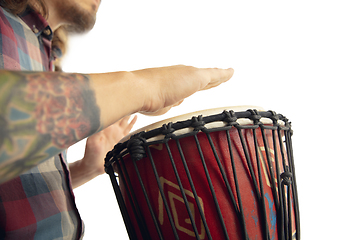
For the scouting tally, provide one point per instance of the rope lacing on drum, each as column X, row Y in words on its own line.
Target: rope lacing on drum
column 230, row 118
column 167, row 130
column 286, row 180
column 286, row 177
column 107, row 161
column 275, row 118
column 288, row 124
column 136, row 147
column 112, row 154
column 255, row 116
column 197, row 123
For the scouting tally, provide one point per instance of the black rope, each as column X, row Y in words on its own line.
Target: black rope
column 187, row 171
column 182, row 192
column 198, row 123
column 211, row 186
column 122, row 206
column 286, row 181
column 134, row 204
column 144, row 229
column 136, row 147
column 167, row 130
column 279, row 210
column 230, row 118
column 162, row 193
column 238, row 194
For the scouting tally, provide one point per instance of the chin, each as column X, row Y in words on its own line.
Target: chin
column 78, row 19
column 81, row 26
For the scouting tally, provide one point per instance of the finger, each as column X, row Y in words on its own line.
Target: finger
column 133, row 121
column 157, row 113
column 124, row 120
column 218, row 76
column 178, row 103
column 130, row 125
column 163, row 110
column 125, row 125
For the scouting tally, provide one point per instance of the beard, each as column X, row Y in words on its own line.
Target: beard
column 78, row 20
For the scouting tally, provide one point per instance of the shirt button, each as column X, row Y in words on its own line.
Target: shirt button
column 47, row 32
column 35, row 30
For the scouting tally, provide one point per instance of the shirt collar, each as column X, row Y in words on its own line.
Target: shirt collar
column 37, row 23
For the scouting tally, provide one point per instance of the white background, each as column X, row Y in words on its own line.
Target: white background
column 299, row 58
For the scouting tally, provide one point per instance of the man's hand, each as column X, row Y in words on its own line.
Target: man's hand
column 151, row 91
column 167, row 87
column 96, row 148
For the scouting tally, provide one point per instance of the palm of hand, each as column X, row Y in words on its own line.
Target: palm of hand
column 102, row 142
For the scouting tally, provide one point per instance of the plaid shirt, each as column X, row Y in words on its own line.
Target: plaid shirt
column 38, row 204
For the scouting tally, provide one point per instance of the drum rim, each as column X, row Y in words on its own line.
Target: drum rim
column 187, row 116
column 214, row 116
column 267, row 120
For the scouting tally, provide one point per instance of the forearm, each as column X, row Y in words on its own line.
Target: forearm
column 118, row 94
column 80, row 173
column 43, row 113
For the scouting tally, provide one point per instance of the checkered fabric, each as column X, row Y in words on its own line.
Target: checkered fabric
column 38, row 204
column 24, row 42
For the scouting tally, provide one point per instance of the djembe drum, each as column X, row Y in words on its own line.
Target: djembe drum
column 227, row 175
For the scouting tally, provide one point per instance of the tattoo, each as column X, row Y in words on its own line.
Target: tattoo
column 41, row 114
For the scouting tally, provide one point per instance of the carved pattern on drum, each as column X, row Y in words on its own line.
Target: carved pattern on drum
column 183, row 225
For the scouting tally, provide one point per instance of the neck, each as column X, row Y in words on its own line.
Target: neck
column 47, row 10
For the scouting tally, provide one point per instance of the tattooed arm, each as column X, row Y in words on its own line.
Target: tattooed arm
column 44, row 113
column 41, row 114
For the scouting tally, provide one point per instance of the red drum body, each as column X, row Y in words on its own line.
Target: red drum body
column 224, row 176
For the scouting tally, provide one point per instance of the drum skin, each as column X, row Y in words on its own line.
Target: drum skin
column 251, row 195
